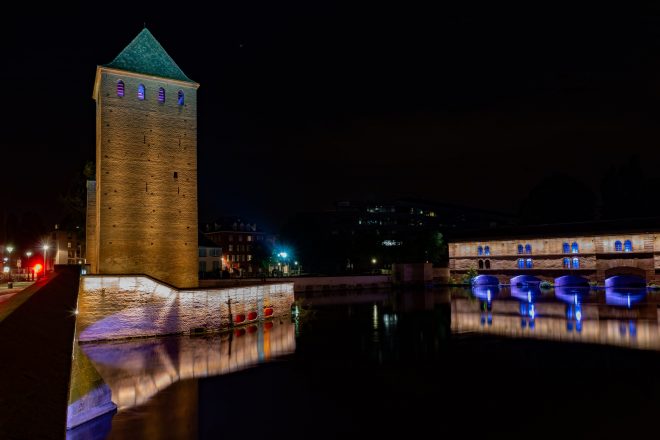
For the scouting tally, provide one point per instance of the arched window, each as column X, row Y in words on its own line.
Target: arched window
column 161, row 94
column 627, row 246
column 521, row 263
column 481, row 264
column 487, row 250
column 487, row 264
column 566, row 248
column 617, row 246
column 520, row 248
column 567, row 263
column 180, row 97
column 574, row 248
column 141, row 94
column 576, row 263
column 529, row 263
column 528, row 248
column 120, row 88
column 480, row 250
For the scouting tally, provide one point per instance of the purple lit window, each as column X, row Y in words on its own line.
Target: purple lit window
column 161, row 95
column 180, row 99
column 141, row 92
column 120, row 88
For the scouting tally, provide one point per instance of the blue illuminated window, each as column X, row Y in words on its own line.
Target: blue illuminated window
column 528, row 248
column 567, row 263
column 566, row 248
column 487, row 250
column 161, row 95
column 576, row 263
column 521, row 263
column 480, row 250
column 617, row 246
column 574, row 248
column 529, row 263
column 627, row 246
column 120, row 88
column 180, row 97
column 520, row 248
column 141, row 92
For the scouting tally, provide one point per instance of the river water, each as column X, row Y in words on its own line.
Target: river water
column 519, row 361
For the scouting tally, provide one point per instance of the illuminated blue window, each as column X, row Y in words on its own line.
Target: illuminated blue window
column 180, row 97
column 627, row 246
column 567, row 263
column 480, row 250
column 521, row 263
column 576, row 263
column 529, row 263
column 487, row 250
column 617, row 246
column 528, row 248
column 520, row 248
column 574, row 248
column 161, row 94
column 120, row 88
column 566, row 248
column 141, row 92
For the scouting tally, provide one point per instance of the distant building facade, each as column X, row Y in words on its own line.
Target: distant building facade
column 595, row 256
column 142, row 208
column 244, row 246
column 210, row 258
column 66, row 247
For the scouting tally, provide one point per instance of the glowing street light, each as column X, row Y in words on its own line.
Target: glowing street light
column 45, row 264
column 10, row 249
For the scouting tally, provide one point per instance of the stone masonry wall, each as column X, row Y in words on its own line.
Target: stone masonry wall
column 146, row 160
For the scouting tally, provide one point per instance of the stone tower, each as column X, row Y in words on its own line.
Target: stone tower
column 142, row 209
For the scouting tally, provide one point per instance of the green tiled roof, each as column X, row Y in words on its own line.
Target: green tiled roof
column 145, row 55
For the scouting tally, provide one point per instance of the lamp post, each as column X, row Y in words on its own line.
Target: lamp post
column 9, row 251
column 28, row 254
column 45, row 264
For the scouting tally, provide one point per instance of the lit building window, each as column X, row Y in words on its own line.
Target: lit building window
column 576, row 263
column 574, row 248
column 120, row 88
column 161, row 95
column 617, row 246
column 566, row 248
column 487, row 250
column 529, row 263
column 521, row 263
column 627, row 246
column 231, row 248
column 480, row 250
column 567, row 261
column 528, row 248
column 180, row 97
column 520, row 248
column 249, row 238
column 141, row 92
column 249, row 257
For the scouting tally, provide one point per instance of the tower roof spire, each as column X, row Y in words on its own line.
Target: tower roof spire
column 145, row 55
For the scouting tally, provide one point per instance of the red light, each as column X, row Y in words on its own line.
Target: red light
column 37, row 268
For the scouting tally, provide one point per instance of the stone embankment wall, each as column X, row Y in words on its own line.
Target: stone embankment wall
column 123, row 306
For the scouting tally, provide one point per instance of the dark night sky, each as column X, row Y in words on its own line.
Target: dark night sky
column 302, row 104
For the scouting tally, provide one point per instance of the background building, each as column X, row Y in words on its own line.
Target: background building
column 142, row 216
column 244, row 246
column 210, row 258
column 66, row 247
column 594, row 251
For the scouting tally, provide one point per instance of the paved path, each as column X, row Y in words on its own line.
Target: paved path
column 36, row 341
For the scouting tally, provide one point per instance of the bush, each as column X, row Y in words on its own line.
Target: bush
column 546, row 285
column 653, row 286
column 469, row 275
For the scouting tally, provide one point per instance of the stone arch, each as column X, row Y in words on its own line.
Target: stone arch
column 625, row 270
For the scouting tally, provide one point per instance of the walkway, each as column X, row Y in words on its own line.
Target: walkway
column 36, row 342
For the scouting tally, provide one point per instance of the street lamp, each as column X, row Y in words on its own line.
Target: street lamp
column 9, row 251
column 28, row 254
column 45, row 264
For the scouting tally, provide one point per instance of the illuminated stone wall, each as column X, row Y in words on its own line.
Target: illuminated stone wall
column 597, row 256
column 116, row 307
column 146, row 179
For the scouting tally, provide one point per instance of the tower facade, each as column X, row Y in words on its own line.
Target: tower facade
column 142, row 215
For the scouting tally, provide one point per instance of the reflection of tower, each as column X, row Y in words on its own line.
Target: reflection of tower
column 142, row 209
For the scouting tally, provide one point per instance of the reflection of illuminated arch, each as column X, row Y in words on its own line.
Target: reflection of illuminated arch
column 485, row 292
column 622, row 297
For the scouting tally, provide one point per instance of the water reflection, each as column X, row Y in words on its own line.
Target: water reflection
column 135, row 370
column 612, row 316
